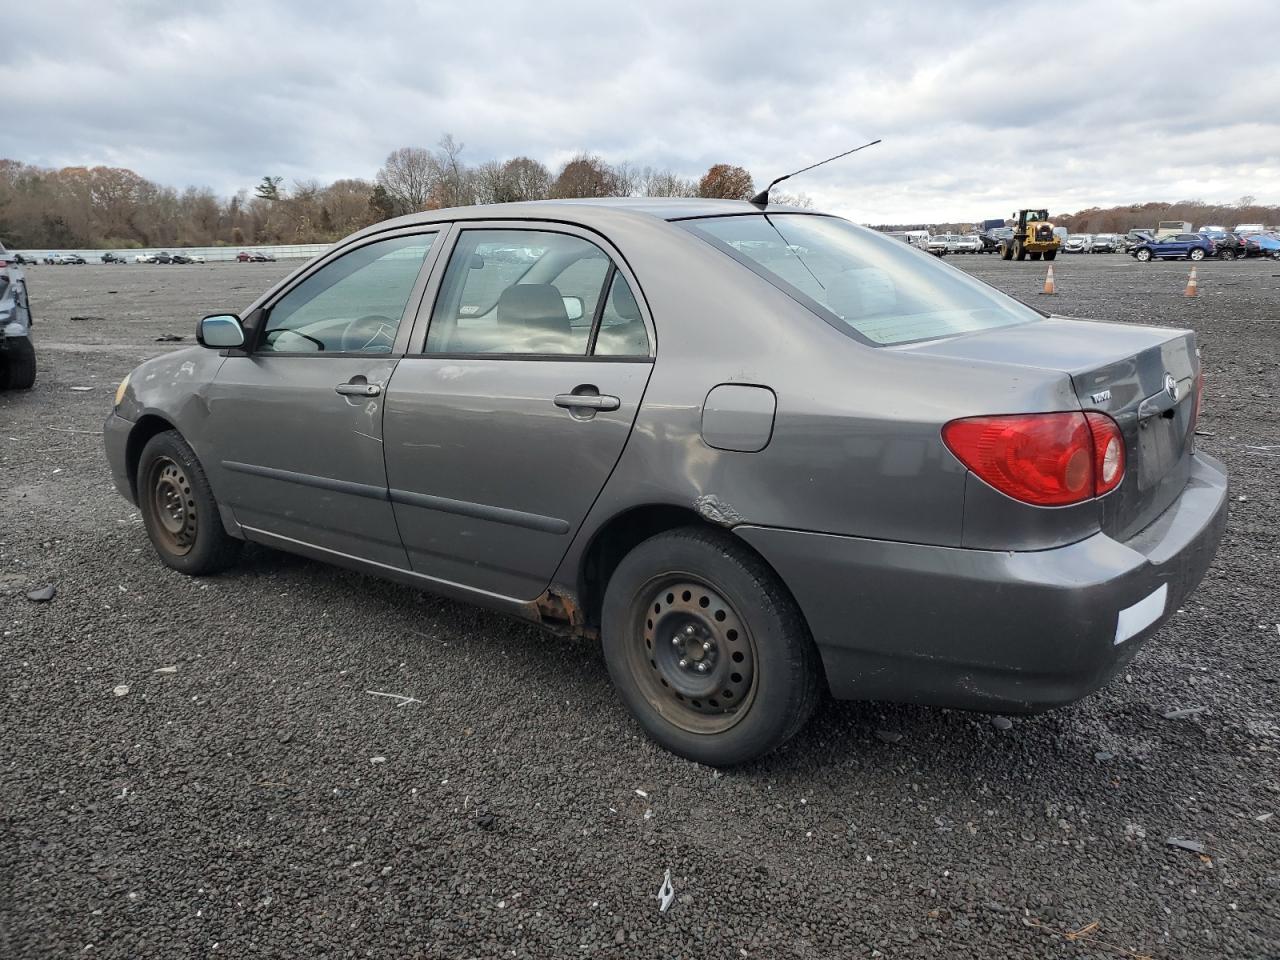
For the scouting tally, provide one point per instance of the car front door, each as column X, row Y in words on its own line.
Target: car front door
column 505, row 421
column 296, row 418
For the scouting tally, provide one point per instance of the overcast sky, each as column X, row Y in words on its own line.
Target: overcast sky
column 982, row 108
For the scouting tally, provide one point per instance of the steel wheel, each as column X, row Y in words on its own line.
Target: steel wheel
column 173, row 505
column 693, row 657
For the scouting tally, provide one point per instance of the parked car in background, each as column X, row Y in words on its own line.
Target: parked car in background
column 991, row 239
column 966, row 243
column 180, row 258
column 144, row 258
column 196, row 258
column 161, row 257
column 1076, row 243
column 1227, row 245
column 1104, row 243
column 1018, row 506
column 1248, row 228
column 22, row 260
column 1261, row 245
column 939, row 246
column 65, row 259
column 1213, row 229
column 256, row 256
column 110, row 257
column 1134, row 237
column 17, row 352
column 1182, row 246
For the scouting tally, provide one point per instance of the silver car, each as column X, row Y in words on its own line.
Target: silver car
column 17, row 353
column 757, row 454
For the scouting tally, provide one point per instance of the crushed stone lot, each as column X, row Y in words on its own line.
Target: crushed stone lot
column 199, row 767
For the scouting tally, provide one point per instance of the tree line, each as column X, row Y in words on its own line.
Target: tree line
column 112, row 207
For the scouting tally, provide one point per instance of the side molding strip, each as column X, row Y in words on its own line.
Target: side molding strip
column 462, row 508
column 309, row 480
column 480, row 511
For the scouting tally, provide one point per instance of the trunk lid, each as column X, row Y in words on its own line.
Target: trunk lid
column 1143, row 377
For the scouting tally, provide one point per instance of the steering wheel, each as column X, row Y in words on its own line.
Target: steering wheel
column 373, row 333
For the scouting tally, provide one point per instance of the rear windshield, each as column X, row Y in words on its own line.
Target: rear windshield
column 864, row 283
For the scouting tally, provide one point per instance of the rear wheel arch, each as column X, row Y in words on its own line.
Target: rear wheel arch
column 625, row 531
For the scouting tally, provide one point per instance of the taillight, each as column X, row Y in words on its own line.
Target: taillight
column 1045, row 459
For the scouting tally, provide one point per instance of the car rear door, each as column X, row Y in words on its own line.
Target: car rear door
column 295, row 420
column 502, row 424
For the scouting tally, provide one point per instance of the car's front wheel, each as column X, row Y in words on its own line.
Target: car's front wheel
column 178, row 508
column 17, row 364
column 707, row 648
column 1143, row 255
column 1196, row 254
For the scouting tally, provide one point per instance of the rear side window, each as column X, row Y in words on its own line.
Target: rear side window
column 862, row 282
column 533, row 292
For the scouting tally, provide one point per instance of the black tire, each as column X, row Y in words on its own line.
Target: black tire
column 1196, row 255
column 1019, row 251
column 1143, row 256
column 1226, row 254
column 1034, row 256
column 1006, row 251
column 17, row 364
column 178, row 508
column 657, row 626
column 1051, row 255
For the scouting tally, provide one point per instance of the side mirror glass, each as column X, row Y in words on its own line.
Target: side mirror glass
column 220, row 331
column 573, row 307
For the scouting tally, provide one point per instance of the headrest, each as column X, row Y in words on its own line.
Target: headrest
column 623, row 300
column 535, row 305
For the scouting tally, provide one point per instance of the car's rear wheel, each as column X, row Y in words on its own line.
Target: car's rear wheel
column 1226, row 254
column 1143, row 255
column 1196, row 254
column 707, row 648
column 178, row 508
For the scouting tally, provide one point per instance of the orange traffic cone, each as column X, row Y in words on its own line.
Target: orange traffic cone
column 1048, row 283
column 1192, row 284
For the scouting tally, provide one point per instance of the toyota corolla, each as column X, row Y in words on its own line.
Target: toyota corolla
column 759, row 453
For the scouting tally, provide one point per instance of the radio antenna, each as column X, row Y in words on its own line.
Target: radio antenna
column 761, row 199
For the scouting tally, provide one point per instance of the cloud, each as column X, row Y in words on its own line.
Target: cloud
column 982, row 109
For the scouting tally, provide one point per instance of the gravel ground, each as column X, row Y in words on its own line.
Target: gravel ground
column 198, row 768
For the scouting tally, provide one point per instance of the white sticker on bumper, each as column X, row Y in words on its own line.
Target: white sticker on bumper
column 1133, row 620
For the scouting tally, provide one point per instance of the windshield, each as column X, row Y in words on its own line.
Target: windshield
column 861, row 282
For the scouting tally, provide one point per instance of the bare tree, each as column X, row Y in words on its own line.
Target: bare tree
column 454, row 188
column 527, row 179
column 408, row 176
column 664, row 183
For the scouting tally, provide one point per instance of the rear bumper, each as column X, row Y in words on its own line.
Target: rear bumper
column 989, row 630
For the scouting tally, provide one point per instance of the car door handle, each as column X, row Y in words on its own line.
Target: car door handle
column 588, row 401
column 358, row 389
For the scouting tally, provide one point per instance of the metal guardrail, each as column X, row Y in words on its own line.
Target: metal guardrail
column 291, row 251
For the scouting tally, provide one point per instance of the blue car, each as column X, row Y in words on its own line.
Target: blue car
column 1262, row 245
column 1183, row 246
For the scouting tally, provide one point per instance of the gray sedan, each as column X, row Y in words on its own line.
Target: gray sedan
column 758, row 453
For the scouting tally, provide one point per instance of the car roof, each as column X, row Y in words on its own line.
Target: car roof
column 597, row 212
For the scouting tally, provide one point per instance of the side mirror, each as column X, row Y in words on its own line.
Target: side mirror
column 220, row 331
column 573, row 307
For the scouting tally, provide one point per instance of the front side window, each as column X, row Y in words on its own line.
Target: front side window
column 351, row 305
column 860, row 281
column 522, row 292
